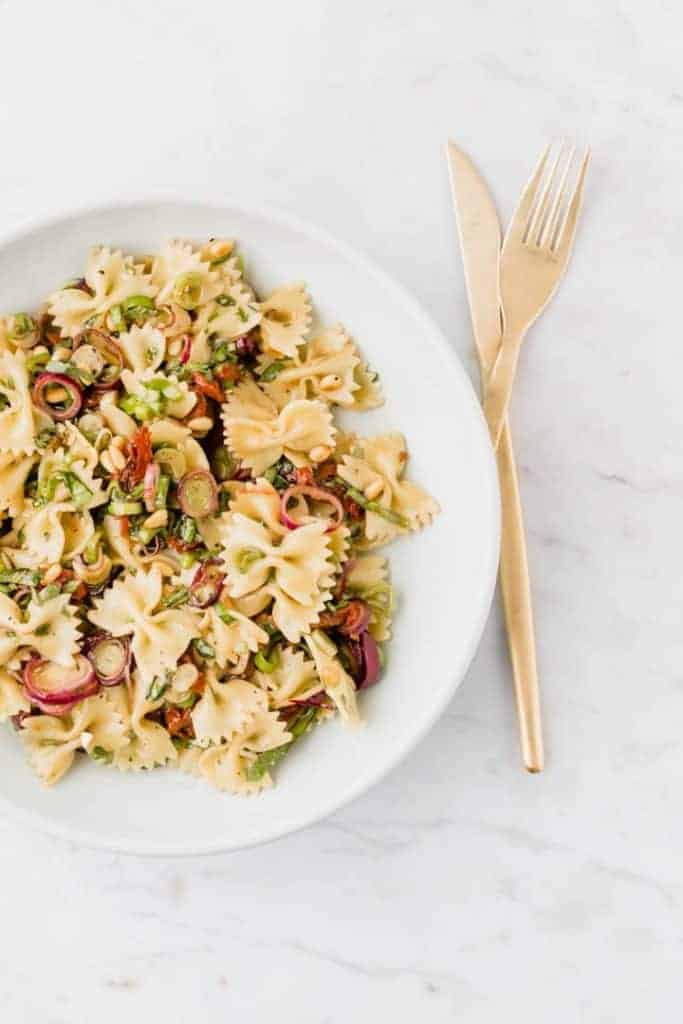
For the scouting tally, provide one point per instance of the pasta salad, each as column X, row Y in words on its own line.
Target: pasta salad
column 189, row 573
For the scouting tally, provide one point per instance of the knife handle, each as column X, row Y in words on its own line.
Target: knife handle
column 516, row 593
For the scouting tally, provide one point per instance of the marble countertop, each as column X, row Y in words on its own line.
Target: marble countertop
column 460, row 888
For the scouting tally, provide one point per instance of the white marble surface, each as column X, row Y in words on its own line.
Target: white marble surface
column 459, row 889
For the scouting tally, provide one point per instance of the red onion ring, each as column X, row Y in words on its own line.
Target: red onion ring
column 151, row 478
column 97, row 641
column 318, row 494
column 205, row 588
column 108, row 347
column 198, row 505
column 83, row 682
column 44, row 381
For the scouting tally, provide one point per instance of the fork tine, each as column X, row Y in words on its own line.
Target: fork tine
column 565, row 236
column 520, row 217
column 549, row 228
column 536, row 220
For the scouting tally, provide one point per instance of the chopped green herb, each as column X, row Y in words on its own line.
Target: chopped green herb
column 157, row 689
column 223, row 613
column 267, row 661
column 203, row 649
column 273, row 369
column 176, row 598
column 298, row 724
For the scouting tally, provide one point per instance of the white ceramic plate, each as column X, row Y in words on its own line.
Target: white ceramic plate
column 444, row 576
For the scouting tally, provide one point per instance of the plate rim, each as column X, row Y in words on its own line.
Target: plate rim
column 34, row 820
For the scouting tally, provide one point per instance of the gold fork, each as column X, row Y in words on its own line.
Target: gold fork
column 534, row 256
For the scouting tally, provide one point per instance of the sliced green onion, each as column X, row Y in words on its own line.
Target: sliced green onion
column 223, row 464
column 267, row 664
column 138, row 308
column 125, row 508
column 187, row 290
column 273, row 369
column 203, row 649
column 187, row 530
column 115, row 319
column 176, row 598
column 245, row 558
column 173, row 459
column 188, row 559
column 223, row 613
column 161, row 496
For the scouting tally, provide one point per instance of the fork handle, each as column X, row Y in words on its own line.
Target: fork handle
column 498, row 387
column 516, row 594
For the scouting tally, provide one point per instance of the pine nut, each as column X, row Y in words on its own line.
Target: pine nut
column 330, row 382
column 106, row 462
column 374, row 489
column 157, row 519
column 52, row 573
column 119, row 442
column 217, row 249
column 56, row 394
column 174, row 347
column 185, row 676
column 320, row 453
column 200, row 424
column 62, row 354
column 118, row 459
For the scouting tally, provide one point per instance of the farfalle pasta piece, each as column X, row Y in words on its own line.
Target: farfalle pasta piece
column 225, row 708
column 51, row 534
column 148, row 744
column 322, row 368
column 180, row 275
column 67, row 476
column 232, row 315
column 52, row 742
column 117, row 420
column 50, row 628
column 367, row 393
column 110, row 279
column 286, row 318
column 258, row 435
column 231, row 634
column 335, row 681
column 130, row 607
column 375, row 467
column 17, row 420
column 226, row 766
column 296, row 572
column 143, row 347
column 13, row 699
column 293, row 678
column 14, row 471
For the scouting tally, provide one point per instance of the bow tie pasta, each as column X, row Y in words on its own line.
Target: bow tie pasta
column 184, row 574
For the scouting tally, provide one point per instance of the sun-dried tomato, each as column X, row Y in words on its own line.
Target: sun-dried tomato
column 210, row 388
column 138, row 453
column 228, row 372
column 179, row 721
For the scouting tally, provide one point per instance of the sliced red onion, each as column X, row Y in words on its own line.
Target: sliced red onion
column 340, row 585
column 206, row 585
column 109, row 657
column 151, row 478
column 318, row 494
column 365, row 654
column 56, row 709
column 185, row 350
column 316, row 700
column 46, row 380
column 53, row 684
column 111, row 352
column 246, row 346
column 356, row 618
column 198, row 494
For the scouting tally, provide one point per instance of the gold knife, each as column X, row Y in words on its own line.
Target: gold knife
column 479, row 231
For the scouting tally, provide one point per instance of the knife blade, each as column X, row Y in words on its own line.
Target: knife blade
column 479, row 231
column 480, row 241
